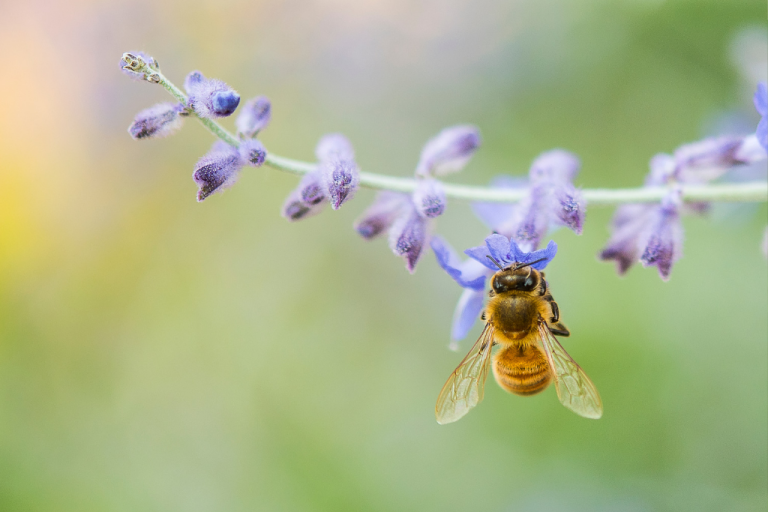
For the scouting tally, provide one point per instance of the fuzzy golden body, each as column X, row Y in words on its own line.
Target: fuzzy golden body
column 522, row 318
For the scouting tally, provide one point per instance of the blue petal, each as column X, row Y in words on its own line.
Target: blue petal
column 761, row 99
column 762, row 132
column 480, row 254
column 498, row 247
column 545, row 255
column 449, row 262
column 467, row 312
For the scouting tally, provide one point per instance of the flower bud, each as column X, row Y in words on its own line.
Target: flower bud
column 252, row 152
column 705, row 160
column 254, row 117
column 295, row 208
column 139, row 66
column 341, row 180
column 386, row 208
column 665, row 236
column 311, row 188
column 216, row 171
column 449, row 151
column 210, row 98
column 570, row 207
column 157, row 121
column 407, row 237
column 429, row 198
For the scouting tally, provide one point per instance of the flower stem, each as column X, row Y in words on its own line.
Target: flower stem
column 756, row 191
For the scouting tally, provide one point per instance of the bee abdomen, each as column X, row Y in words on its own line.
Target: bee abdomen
column 522, row 371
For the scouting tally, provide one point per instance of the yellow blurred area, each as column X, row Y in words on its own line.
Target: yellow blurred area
column 160, row 354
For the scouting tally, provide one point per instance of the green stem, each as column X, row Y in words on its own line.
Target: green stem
column 756, row 191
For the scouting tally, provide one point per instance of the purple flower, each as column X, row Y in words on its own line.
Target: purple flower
column 252, row 152
column 551, row 201
column 132, row 64
column 379, row 217
column 254, row 117
column 295, row 208
column 217, row 170
column 507, row 253
column 649, row 233
column 429, row 198
column 157, row 121
column 209, row 97
column 337, row 170
column 407, row 237
column 449, row 151
column 311, row 189
column 761, row 104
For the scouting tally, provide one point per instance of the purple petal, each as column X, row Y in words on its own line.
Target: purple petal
column 216, row 171
column 449, row 261
column 480, row 254
column 341, row 178
column 254, row 116
column 386, row 208
column 542, row 257
column 555, row 165
column 252, row 152
column 570, row 207
column 761, row 99
column 407, row 237
column 629, row 226
column 295, row 208
column 499, row 248
column 429, row 198
column 662, row 169
column 157, row 121
column 312, row 188
column 334, row 146
column 532, row 218
column 707, row 159
column 665, row 238
column 449, row 151
column 467, row 312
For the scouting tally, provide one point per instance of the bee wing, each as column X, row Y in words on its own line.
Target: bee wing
column 464, row 388
column 574, row 389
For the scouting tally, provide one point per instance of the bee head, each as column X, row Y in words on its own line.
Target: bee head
column 519, row 277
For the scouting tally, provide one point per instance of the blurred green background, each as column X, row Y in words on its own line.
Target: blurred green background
column 158, row 354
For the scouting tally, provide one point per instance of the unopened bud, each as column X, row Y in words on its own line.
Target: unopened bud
column 157, row 121
column 253, row 117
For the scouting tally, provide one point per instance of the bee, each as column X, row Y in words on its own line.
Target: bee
column 522, row 318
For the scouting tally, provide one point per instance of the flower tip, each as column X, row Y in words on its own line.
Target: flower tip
column 225, row 103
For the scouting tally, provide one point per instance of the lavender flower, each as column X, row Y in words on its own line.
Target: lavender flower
column 761, row 104
column 473, row 273
column 334, row 146
column 157, row 121
column 429, row 198
column 665, row 236
column 295, row 208
column 252, row 152
column 449, row 151
column 132, row 64
column 217, row 170
column 408, row 235
column 254, row 117
column 551, row 201
column 209, row 97
column 379, row 217
column 311, row 189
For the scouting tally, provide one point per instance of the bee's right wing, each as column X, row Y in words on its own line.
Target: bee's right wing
column 464, row 388
column 574, row 389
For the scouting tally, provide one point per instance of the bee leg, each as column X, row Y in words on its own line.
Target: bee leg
column 482, row 315
column 555, row 311
column 559, row 329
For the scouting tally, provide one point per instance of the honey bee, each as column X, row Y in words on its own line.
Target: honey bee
column 523, row 318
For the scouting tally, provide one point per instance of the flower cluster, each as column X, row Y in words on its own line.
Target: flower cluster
column 652, row 233
column 334, row 180
column 409, row 219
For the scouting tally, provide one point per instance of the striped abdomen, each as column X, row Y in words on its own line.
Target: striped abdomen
column 522, row 369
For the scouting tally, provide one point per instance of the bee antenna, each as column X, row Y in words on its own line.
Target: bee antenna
column 518, row 267
column 494, row 261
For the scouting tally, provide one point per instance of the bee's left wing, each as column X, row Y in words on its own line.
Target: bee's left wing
column 464, row 388
column 574, row 389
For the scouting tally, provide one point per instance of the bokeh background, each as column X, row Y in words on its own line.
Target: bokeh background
column 158, row 354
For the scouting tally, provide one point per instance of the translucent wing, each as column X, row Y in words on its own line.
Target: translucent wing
column 574, row 389
column 464, row 388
